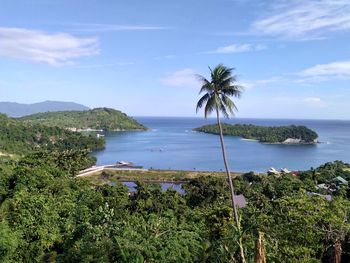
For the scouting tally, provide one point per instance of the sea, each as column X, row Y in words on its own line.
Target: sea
column 171, row 143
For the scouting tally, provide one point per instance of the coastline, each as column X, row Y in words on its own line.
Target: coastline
column 102, row 130
column 289, row 141
column 150, row 176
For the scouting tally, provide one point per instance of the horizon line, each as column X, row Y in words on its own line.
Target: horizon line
column 223, row 118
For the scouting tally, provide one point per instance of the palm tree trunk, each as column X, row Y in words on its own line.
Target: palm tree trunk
column 260, row 256
column 229, row 178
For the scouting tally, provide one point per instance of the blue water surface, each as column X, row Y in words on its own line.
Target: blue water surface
column 170, row 143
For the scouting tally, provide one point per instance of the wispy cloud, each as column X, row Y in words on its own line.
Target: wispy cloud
column 338, row 70
column 312, row 99
column 181, row 78
column 237, row 48
column 311, row 102
column 99, row 28
column 324, row 72
column 165, row 57
column 303, row 20
column 250, row 84
column 41, row 47
column 107, row 65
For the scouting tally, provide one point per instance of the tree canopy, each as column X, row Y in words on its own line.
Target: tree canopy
column 100, row 119
column 48, row 215
column 20, row 138
column 278, row 134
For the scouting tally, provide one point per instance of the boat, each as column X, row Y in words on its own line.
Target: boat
column 273, row 171
column 285, row 171
column 125, row 164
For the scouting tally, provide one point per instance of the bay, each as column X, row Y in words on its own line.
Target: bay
column 170, row 143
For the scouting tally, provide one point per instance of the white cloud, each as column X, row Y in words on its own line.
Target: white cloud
column 312, row 99
column 250, row 84
column 325, row 72
column 41, row 47
column 181, row 78
column 338, row 68
column 310, row 102
column 302, row 20
column 111, row 27
column 165, row 57
column 117, row 64
column 237, row 48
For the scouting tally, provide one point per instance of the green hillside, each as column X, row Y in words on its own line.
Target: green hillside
column 283, row 134
column 99, row 119
column 20, row 138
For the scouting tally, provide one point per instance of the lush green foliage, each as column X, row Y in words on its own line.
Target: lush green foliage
column 264, row 133
column 19, row 138
column 99, row 119
column 47, row 215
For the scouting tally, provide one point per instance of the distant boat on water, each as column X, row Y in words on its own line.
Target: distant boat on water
column 125, row 164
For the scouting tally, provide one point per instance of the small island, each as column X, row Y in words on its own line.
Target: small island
column 99, row 119
column 289, row 135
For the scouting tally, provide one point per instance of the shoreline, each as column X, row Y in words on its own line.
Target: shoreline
column 101, row 130
column 150, row 176
column 292, row 140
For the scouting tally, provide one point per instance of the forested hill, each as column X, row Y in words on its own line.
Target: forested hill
column 20, row 138
column 283, row 134
column 99, row 119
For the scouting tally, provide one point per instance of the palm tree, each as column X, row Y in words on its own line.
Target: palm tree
column 216, row 99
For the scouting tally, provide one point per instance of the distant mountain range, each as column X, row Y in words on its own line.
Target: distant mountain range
column 13, row 109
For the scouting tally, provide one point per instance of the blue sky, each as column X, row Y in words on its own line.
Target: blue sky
column 293, row 57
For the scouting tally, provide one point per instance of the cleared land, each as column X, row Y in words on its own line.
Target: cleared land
column 156, row 176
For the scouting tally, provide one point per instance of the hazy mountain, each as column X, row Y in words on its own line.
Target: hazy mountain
column 13, row 109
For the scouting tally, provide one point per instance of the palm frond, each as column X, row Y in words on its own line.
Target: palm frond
column 226, row 73
column 229, row 104
column 218, row 91
column 206, row 85
column 226, row 82
column 202, row 100
column 233, row 90
column 223, row 110
column 210, row 106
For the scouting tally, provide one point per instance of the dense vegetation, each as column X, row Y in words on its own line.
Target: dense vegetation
column 47, row 215
column 263, row 133
column 99, row 119
column 20, row 138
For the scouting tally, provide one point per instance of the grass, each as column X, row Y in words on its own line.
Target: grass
column 156, row 176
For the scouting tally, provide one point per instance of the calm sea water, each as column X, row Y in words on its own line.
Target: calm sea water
column 171, row 144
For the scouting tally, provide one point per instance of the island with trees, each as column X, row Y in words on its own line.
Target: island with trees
column 291, row 134
column 18, row 138
column 98, row 119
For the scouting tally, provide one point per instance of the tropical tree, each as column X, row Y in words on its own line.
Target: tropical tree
column 217, row 92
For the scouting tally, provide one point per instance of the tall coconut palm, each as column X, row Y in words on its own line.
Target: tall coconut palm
column 217, row 92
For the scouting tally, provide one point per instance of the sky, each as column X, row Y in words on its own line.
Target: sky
column 292, row 56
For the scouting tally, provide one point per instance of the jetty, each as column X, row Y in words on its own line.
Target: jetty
column 113, row 167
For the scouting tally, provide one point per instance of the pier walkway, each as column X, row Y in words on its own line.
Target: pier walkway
column 95, row 169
